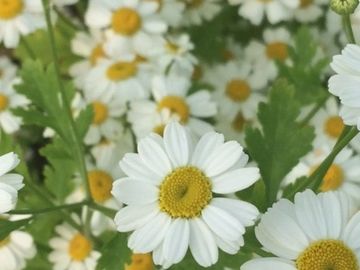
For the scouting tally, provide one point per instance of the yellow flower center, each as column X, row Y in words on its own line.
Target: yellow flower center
column 100, row 185
column 140, row 262
column 4, row 102
column 277, row 51
column 159, row 129
column 4, row 242
column 185, row 192
column 327, row 255
column 172, row 47
column 10, row 8
column 334, row 126
column 126, row 21
column 333, row 178
column 79, row 248
column 101, row 112
column 96, row 54
column 176, row 105
column 238, row 90
column 194, row 3
column 239, row 122
column 305, row 3
column 121, row 71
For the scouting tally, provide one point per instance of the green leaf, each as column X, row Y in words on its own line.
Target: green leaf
column 281, row 142
column 84, row 121
column 306, row 69
column 7, row 226
column 115, row 254
column 290, row 190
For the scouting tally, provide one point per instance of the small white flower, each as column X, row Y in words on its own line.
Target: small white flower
column 314, row 232
column 7, row 69
column 171, row 93
column 10, row 183
column 171, row 11
column 15, row 250
column 72, row 250
column 274, row 10
column 198, row 11
column 19, row 18
column 169, row 196
column 310, row 10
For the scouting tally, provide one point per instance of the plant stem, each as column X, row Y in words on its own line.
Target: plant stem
column 105, row 210
column 348, row 29
column 78, row 149
column 47, row 210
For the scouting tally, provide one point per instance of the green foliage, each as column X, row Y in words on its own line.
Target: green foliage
column 306, row 69
column 281, row 142
column 7, row 226
column 115, row 254
column 290, row 190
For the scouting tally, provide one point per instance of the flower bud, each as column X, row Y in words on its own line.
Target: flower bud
column 344, row 7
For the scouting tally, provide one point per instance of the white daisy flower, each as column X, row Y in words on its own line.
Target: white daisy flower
column 274, row 10
column 315, row 232
column 170, row 199
column 130, row 24
column 124, row 79
column 176, row 51
column 236, row 88
column 7, row 69
column 10, row 183
column 171, row 93
column 19, row 18
column 264, row 55
column 72, row 250
column 106, row 123
column 198, row 11
column 310, row 10
column 171, row 11
column 345, row 84
column 15, row 250
column 89, row 47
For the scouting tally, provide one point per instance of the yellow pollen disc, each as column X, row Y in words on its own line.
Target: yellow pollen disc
column 121, row 71
column 334, row 126
column 140, row 262
column 100, row 185
column 333, row 178
column 140, row 59
column 176, row 105
column 238, row 90
column 305, row 3
column 4, row 242
column 101, row 112
column 277, row 51
column 197, row 73
column 96, row 54
column 4, row 102
column 194, row 3
column 172, row 47
column 185, row 192
column 159, row 130
column 79, row 248
column 327, row 255
column 10, row 8
column 126, row 21
column 239, row 122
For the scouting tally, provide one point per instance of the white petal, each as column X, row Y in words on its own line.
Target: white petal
column 268, row 264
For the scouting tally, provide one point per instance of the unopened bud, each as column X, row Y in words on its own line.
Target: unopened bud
column 344, row 7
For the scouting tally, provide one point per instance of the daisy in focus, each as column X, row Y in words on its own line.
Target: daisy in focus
column 316, row 232
column 274, row 10
column 72, row 250
column 16, row 249
column 172, row 101
column 170, row 196
column 19, row 18
column 345, row 84
column 10, row 183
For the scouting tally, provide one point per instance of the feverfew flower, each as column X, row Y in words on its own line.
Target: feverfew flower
column 310, row 10
column 171, row 93
column 19, row 18
column 274, row 10
column 314, row 232
column 10, row 183
column 170, row 196
column 345, row 84
column 72, row 250
column 198, row 11
column 16, row 249
column 7, row 69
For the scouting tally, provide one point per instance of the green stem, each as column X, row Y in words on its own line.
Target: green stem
column 49, row 209
column 78, row 148
column 105, row 210
column 67, row 21
column 348, row 29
